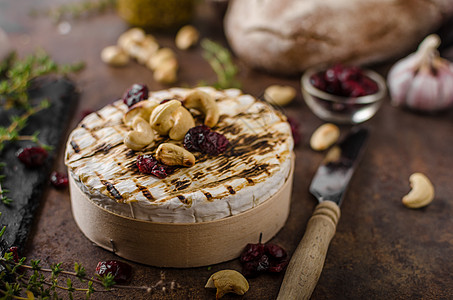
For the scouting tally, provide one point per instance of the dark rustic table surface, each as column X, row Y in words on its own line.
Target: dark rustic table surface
column 381, row 249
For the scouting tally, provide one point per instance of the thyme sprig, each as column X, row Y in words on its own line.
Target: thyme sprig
column 16, row 79
column 32, row 280
column 19, row 75
column 221, row 62
column 3, row 194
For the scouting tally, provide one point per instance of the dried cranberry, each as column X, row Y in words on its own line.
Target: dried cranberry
column 15, row 251
column 137, row 93
column 277, row 266
column 249, row 269
column 59, row 180
column 214, row 143
column 263, row 264
column 295, row 130
column 121, row 271
column 346, row 81
column 275, row 251
column 259, row 258
column 147, row 164
column 252, row 252
column 195, row 136
column 202, row 139
column 370, row 86
column 32, row 156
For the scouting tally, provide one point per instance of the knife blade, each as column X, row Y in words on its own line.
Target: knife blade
column 328, row 186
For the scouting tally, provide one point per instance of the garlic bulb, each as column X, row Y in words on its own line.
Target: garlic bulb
column 423, row 80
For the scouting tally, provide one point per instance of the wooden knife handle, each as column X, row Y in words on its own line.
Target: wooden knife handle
column 307, row 261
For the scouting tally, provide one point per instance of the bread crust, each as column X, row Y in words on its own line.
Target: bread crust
column 289, row 36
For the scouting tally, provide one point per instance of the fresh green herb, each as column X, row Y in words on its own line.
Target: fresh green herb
column 16, row 77
column 222, row 63
column 20, row 73
column 18, row 279
column 12, row 132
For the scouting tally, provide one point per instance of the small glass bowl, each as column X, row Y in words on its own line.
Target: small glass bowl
column 339, row 109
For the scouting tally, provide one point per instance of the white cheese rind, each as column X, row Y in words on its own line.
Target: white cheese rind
column 250, row 172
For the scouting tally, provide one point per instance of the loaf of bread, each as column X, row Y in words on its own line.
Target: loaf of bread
column 288, row 36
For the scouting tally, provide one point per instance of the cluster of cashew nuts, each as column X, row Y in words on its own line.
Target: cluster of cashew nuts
column 168, row 119
column 135, row 43
column 144, row 48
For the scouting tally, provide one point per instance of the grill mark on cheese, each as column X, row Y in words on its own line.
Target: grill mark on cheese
column 208, row 196
column 90, row 131
column 183, row 199
column 104, row 148
column 113, row 191
column 232, row 129
column 181, row 185
column 231, row 190
column 75, row 147
column 146, row 193
column 130, row 153
column 240, row 161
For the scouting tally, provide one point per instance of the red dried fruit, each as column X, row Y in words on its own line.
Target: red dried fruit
column 195, row 136
column 259, row 258
column 32, row 157
column 252, row 252
column 277, row 267
column 275, row 251
column 346, row 81
column 59, row 180
column 137, row 93
column 295, row 130
column 202, row 139
column 263, row 264
column 147, row 164
column 15, row 251
column 121, row 271
column 249, row 269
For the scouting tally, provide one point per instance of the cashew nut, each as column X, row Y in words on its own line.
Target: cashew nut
column 172, row 119
column 130, row 37
column 159, row 57
column 161, row 118
column 114, row 56
column 227, row 281
column 141, row 136
column 136, row 35
column 325, row 136
column 186, row 37
column 183, row 122
column 141, row 109
column 206, row 104
column 279, row 95
column 422, row 192
column 166, row 71
column 173, row 155
column 137, row 44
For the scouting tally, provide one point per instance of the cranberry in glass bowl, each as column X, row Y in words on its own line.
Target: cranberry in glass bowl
column 343, row 94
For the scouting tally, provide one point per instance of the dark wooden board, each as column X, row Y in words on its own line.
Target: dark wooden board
column 26, row 185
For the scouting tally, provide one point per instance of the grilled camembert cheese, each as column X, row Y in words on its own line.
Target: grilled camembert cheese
column 252, row 169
